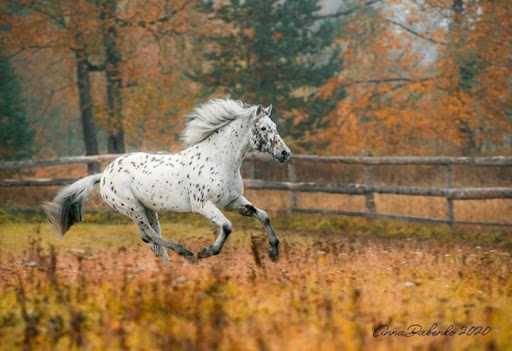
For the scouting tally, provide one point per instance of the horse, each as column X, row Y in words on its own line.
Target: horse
column 203, row 178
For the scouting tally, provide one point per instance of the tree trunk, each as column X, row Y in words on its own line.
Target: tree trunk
column 457, row 44
column 113, row 77
column 458, row 7
column 470, row 147
column 86, row 108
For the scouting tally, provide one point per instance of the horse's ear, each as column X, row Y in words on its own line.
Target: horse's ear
column 258, row 112
column 268, row 110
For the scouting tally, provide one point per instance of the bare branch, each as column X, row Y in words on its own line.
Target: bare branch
column 58, row 20
column 95, row 67
column 416, row 33
column 348, row 11
column 32, row 48
column 146, row 24
column 389, row 80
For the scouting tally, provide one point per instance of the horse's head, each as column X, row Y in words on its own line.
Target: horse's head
column 264, row 136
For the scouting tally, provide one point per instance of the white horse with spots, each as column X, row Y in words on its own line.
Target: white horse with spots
column 203, row 178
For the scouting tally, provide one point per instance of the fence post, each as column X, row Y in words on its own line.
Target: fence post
column 93, row 167
column 369, row 197
column 449, row 201
column 292, row 177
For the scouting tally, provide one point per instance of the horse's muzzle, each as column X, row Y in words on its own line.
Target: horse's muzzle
column 284, row 156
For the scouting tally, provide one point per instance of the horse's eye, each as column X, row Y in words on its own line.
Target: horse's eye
column 263, row 128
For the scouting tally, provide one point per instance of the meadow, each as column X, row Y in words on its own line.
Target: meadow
column 340, row 284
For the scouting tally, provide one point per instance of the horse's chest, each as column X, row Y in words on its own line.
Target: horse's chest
column 231, row 190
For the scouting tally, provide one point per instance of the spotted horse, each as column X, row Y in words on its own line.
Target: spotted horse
column 203, row 178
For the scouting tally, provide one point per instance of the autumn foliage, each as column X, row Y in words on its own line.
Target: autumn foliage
column 426, row 78
column 417, row 77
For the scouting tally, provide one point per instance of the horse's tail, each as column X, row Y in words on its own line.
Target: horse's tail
column 66, row 208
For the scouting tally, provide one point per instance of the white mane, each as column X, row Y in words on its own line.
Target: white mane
column 210, row 117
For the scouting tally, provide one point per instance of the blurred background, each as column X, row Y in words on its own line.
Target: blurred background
column 351, row 77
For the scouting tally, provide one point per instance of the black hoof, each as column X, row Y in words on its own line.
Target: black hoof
column 273, row 253
column 207, row 252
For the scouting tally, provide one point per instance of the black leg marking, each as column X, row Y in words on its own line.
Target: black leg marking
column 214, row 249
column 245, row 208
column 273, row 251
column 248, row 210
column 227, row 229
column 146, row 240
column 146, row 230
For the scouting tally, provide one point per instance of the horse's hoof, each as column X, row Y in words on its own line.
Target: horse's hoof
column 273, row 253
column 206, row 252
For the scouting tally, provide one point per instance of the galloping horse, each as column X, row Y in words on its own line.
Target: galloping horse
column 203, row 178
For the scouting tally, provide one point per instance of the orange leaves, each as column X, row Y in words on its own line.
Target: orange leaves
column 277, row 36
column 410, row 93
column 329, row 87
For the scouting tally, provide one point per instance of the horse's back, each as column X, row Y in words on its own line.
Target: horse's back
column 176, row 182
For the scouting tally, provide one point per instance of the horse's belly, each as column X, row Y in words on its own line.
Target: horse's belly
column 163, row 194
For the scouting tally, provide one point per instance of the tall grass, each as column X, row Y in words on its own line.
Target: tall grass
column 336, row 283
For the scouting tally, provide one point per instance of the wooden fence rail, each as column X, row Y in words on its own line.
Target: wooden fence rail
column 496, row 161
column 347, row 189
column 368, row 189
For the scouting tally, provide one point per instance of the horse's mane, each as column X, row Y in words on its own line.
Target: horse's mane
column 209, row 117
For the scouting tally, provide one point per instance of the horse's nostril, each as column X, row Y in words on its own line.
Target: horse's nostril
column 284, row 153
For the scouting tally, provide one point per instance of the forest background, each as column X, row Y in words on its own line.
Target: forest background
column 351, row 77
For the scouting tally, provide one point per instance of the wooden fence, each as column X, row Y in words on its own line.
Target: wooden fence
column 292, row 186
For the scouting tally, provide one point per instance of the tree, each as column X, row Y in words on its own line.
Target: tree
column 113, row 75
column 114, row 34
column 59, row 26
column 423, row 77
column 275, row 52
column 474, row 69
column 100, row 40
column 16, row 136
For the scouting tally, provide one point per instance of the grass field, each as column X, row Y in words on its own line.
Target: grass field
column 338, row 282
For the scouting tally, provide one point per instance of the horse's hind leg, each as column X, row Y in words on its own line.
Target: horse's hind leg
column 159, row 250
column 150, row 236
column 120, row 197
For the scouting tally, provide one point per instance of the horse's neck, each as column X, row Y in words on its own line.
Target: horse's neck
column 231, row 143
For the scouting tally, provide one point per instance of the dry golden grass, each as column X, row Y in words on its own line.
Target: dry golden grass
column 497, row 210
column 416, row 206
column 99, row 288
column 335, row 202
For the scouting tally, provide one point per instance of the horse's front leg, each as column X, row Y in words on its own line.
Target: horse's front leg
column 245, row 208
column 210, row 211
